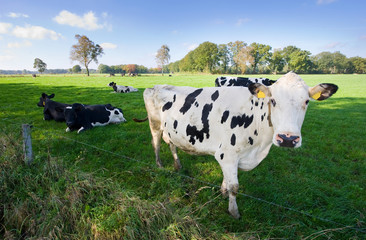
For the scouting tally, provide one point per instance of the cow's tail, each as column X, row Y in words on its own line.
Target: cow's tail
column 140, row 120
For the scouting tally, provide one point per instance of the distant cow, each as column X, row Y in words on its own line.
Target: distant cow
column 122, row 89
column 82, row 117
column 236, row 125
column 34, row 75
column 241, row 81
column 52, row 110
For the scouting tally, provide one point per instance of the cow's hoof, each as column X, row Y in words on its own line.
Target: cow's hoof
column 235, row 214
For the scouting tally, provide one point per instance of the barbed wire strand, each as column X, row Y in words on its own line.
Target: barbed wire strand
column 213, row 185
column 217, row 186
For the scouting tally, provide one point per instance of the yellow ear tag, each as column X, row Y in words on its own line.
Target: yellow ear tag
column 261, row 94
column 316, row 95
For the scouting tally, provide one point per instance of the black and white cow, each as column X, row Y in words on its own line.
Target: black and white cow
column 122, row 89
column 52, row 110
column 241, row 81
column 236, row 125
column 82, row 117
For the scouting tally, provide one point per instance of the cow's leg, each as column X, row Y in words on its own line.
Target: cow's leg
column 173, row 149
column 156, row 142
column 231, row 183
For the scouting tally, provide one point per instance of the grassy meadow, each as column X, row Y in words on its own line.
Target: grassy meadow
column 104, row 184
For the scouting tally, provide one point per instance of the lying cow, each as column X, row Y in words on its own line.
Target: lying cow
column 122, row 89
column 240, row 81
column 52, row 110
column 236, row 125
column 82, row 117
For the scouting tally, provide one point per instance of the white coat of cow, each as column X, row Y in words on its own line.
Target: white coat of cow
column 236, row 125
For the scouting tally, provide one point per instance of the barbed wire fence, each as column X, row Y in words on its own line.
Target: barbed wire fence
column 164, row 170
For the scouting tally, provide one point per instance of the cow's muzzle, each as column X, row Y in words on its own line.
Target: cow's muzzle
column 287, row 140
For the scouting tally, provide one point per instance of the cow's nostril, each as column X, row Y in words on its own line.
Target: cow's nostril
column 287, row 140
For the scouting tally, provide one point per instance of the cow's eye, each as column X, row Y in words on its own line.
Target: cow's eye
column 273, row 102
column 307, row 102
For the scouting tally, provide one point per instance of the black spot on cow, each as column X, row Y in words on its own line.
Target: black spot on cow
column 241, row 120
column 190, row 99
column 174, row 97
column 196, row 104
column 194, row 133
column 167, row 106
column 215, row 95
column 262, row 105
column 252, row 101
column 224, row 117
column 256, row 103
column 233, row 139
column 250, row 140
column 268, row 82
column 256, row 132
column 221, row 156
column 262, row 117
column 175, row 124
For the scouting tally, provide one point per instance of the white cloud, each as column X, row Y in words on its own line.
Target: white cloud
column 332, row 45
column 108, row 46
column 19, row 44
column 321, row 2
column 88, row 21
column 17, row 15
column 192, row 46
column 6, row 58
column 5, row 27
column 35, row 32
column 241, row 21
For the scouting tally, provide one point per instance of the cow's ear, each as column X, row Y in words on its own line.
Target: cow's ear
column 259, row 90
column 51, row 96
column 77, row 106
column 322, row 91
column 109, row 106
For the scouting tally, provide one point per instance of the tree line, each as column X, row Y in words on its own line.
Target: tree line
column 239, row 58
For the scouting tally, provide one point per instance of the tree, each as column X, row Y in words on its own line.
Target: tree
column 223, row 58
column 260, row 54
column 244, row 58
column 40, row 65
column 85, row 51
column 206, row 57
column 358, row 64
column 76, row 69
column 235, row 48
column 277, row 61
column 162, row 57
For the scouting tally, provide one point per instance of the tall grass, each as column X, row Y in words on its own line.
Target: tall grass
column 103, row 184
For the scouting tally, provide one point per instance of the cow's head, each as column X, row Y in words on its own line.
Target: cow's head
column 74, row 115
column 43, row 99
column 111, row 84
column 288, row 101
column 116, row 114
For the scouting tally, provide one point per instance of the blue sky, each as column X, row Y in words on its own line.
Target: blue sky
column 132, row 31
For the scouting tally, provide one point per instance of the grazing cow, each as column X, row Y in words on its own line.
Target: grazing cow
column 236, row 125
column 34, row 75
column 82, row 117
column 52, row 110
column 240, row 81
column 122, row 89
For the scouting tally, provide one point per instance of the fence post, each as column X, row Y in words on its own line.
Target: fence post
column 27, row 144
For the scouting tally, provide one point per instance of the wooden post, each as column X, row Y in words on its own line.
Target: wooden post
column 27, row 144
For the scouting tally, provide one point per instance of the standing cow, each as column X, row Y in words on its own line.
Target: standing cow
column 236, row 125
column 241, row 81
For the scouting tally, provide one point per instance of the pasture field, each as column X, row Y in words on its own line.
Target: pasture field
column 104, row 184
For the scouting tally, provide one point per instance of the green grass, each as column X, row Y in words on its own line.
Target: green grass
column 103, row 183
